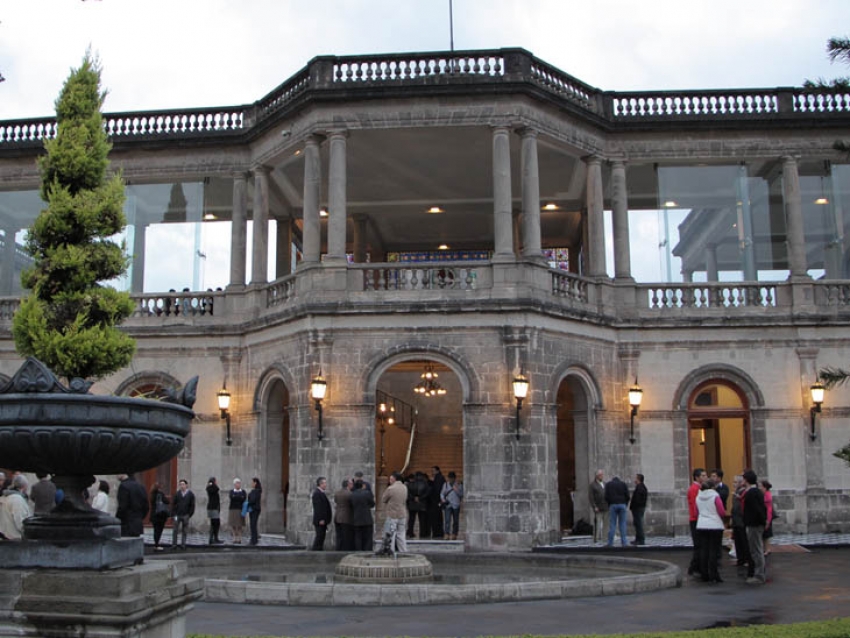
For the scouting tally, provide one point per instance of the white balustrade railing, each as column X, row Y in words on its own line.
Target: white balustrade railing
column 280, row 291
column 425, row 277
column 830, row 101
column 562, row 84
column 705, row 296
column 713, row 104
column 413, row 66
column 175, row 304
column 569, row 286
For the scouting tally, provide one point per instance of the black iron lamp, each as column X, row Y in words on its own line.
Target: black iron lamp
column 635, row 397
column 318, row 387
column 520, row 384
column 818, row 390
column 223, row 397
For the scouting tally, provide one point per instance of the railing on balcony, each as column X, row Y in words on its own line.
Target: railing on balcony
column 710, row 295
column 280, row 291
column 569, row 286
column 425, row 277
column 176, row 304
column 832, row 293
column 455, row 68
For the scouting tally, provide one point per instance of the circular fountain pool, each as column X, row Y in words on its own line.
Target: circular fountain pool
column 307, row 578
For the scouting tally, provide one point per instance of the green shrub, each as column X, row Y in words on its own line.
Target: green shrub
column 69, row 319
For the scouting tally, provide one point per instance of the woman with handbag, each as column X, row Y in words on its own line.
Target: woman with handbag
column 159, row 514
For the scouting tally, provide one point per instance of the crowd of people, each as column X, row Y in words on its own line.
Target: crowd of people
column 433, row 503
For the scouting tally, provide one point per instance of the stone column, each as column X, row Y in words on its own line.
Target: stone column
column 137, row 284
column 794, row 218
column 502, row 198
column 337, row 197
column 620, row 219
column 531, row 240
column 312, row 231
column 360, row 225
column 711, row 272
column 260, row 257
column 595, row 220
column 238, row 230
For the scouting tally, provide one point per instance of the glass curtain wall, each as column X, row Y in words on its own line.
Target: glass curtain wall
column 727, row 222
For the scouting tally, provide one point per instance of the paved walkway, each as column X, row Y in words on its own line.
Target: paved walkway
column 803, row 584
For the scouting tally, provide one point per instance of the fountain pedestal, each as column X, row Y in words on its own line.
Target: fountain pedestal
column 369, row 568
column 146, row 601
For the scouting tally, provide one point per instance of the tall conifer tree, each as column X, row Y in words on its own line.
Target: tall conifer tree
column 69, row 319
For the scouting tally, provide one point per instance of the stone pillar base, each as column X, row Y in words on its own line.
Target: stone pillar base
column 72, row 554
column 146, row 601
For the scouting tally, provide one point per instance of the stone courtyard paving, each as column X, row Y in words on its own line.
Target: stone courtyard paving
column 806, row 581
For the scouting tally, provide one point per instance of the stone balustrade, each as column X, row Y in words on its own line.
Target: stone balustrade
column 710, row 295
column 425, row 277
column 454, row 69
column 463, row 283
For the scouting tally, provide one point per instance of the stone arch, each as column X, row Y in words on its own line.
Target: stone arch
column 755, row 404
column 383, row 361
column 719, row 372
column 574, row 433
column 272, row 403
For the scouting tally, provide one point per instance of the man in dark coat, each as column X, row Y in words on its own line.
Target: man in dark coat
column 322, row 514
column 638, row 507
column 133, row 505
column 182, row 509
column 754, row 513
column 435, row 510
column 418, row 492
column 362, row 502
column 720, row 487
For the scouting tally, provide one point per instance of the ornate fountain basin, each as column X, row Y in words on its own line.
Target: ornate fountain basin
column 89, row 434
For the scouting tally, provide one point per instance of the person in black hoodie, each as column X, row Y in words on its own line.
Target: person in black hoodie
column 362, row 502
column 754, row 513
column 182, row 509
column 435, row 509
column 254, row 507
column 617, row 497
column 214, row 510
column 418, row 492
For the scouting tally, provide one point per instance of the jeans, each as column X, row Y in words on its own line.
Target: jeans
column 179, row 522
column 617, row 518
column 452, row 521
column 637, row 517
column 756, row 543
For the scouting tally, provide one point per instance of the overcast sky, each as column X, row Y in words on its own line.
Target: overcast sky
column 159, row 54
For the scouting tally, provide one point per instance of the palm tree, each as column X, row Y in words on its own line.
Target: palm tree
column 837, row 49
column 832, row 378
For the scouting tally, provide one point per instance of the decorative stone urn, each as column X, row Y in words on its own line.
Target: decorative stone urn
column 74, row 435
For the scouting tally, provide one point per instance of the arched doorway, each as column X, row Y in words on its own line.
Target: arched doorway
column 414, row 430
column 277, row 459
column 719, row 428
column 573, row 451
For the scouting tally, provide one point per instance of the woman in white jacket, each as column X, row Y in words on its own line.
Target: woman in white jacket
column 710, row 528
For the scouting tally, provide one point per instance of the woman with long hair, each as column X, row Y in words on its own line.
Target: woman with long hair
column 765, row 486
column 254, row 499
column 159, row 514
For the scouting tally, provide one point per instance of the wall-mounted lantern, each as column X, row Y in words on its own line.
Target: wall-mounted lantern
column 318, row 387
column 520, row 384
column 817, row 391
column 223, row 397
column 635, row 397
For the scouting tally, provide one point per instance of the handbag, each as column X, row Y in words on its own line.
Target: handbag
column 245, row 509
column 161, row 508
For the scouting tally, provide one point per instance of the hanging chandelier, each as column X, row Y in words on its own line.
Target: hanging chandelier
column 428, row 385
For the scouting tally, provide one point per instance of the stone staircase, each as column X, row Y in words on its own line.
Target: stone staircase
column 437, row 448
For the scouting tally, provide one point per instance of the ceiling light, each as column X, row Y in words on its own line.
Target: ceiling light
column 821, row 201
column 209, row 217
column 443, row 247
column 297, row 152
column 670, row 204
column 435, row 210
column 551, row 206
column 323, row 212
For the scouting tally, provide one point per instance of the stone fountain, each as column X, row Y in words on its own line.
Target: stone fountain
column 72, row 574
